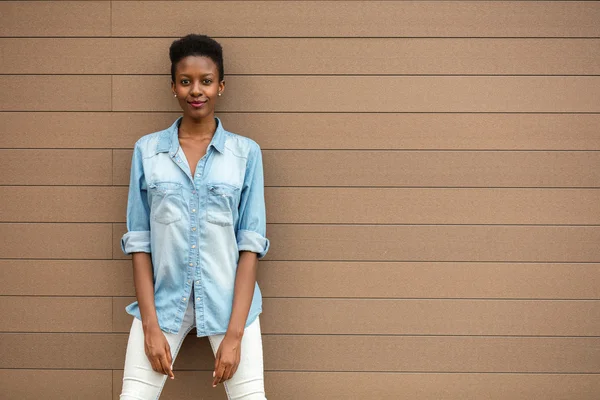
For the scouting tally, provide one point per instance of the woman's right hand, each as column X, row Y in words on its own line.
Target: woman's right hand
column 158, row 351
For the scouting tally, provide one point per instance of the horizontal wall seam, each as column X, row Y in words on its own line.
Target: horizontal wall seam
column 312, row 224
column 311, row 75
column 335, row 260
column 329, row 371
column 478, row 299
column 317, row 112
column 361, row 150
column 306, row 37
column 318, row 335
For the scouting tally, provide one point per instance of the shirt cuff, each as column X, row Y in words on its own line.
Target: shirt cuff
column 252, row 241
column 136, row 242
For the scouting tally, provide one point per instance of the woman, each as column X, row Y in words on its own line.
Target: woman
column 196, row 229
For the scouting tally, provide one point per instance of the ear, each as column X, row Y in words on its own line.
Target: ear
column 172, row 87
column 221, row 86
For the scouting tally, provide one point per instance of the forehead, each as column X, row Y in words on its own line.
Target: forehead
column 196, row 65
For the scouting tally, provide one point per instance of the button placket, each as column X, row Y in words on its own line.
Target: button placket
column 176, row 157
column 194, row 206
column 194, row 264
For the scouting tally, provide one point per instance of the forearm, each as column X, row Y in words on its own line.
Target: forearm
column 144, row 288
column 245, row 281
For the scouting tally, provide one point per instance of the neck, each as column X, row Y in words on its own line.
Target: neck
column 202, row 128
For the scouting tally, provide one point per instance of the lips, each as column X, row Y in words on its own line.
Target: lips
column 197, row 104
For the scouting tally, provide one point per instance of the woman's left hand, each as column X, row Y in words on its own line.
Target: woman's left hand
column 227, row 359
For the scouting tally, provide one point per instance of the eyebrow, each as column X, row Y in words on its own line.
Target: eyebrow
column 207, row 74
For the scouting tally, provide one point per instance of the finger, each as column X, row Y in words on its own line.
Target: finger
column 166, row 366
column 156, row 365
column 168, row 351
column 217, row 361
column 161, row 367
column 170, row 373
column 216, row 378
column 225, row 375
column 152, row 364
column 228, row 374
column 218, row 375
column 234, row 367
column 170, row 364
column 217, row 366
column 233, row 371
column 168, row 369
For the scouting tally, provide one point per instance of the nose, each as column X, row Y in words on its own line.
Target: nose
column 196, row 89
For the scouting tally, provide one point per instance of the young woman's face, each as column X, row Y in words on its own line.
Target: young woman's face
column 197, row 86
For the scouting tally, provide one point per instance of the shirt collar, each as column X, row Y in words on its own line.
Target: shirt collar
column 168, row 142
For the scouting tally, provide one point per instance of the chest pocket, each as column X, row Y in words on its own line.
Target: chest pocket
column 221, row 203
column 167, row 202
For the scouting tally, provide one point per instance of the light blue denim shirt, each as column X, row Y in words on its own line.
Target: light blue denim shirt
column 195, row 226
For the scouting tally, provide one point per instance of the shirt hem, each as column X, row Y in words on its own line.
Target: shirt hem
column 251, row 318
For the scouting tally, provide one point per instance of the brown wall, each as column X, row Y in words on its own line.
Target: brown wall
column 432, row 173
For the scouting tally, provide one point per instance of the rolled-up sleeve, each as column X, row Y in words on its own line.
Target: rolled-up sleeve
column 252, row 226
column 137, row 238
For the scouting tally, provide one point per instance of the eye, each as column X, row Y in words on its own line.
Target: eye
column 185, row 81
column 207, row 81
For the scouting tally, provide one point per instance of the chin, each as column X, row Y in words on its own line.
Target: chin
column 200, row 114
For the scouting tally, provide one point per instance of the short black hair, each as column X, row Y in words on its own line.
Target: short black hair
column 196, row 45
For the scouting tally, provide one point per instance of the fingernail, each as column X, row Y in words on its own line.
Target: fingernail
column 213, row 374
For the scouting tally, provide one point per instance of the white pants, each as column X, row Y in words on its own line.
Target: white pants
column 141, row 382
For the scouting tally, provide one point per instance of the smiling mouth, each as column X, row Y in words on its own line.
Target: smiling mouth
column 197, row 104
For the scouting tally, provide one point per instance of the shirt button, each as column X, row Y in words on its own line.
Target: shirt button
column 193, row 210
column 191, row 264
column 194, row 228
column 198, row 175
column 193, row 192
column 178, row 160
column 183, row 299
column 189, row 282
column 193, row 246
column 198, row 298
column 198, row 282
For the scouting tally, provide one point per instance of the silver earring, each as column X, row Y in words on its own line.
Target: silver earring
column 174, row 94
column 219, row 93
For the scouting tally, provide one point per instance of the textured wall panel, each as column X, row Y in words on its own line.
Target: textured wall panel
column 56, row 384
column 322, row 353
column 374, row 94
column 59, row 240
column 417, row 168
column 316, row 130
column 359, row 19
column 417, row 317
column 317, row 56
column 55, row 18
